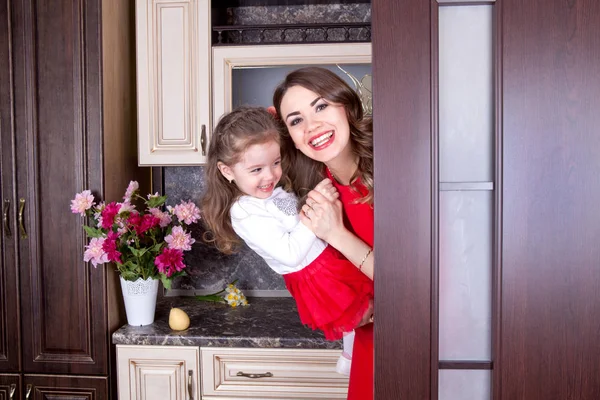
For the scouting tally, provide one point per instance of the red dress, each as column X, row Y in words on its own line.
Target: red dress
column 359, row 219
column 331, row 293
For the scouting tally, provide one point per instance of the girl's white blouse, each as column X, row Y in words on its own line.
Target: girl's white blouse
column 272, row 228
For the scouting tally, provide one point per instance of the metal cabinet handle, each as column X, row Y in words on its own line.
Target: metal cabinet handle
column 28, row 392
column 190, row 385
column 203, row 140
column 11, row 394
column 5, row 214
column 255, row 376
column 21, row 225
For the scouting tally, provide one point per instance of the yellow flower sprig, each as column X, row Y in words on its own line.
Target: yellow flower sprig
column 230, row 295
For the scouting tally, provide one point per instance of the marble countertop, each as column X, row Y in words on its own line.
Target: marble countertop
column 266, row 322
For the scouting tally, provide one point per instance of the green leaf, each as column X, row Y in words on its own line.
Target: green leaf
column 129, row 275
column 93, row 232
column 155, row 202
column 137, row 252
column 210, row 297
column 156, row 247
column 165, row 281
column 134, row 251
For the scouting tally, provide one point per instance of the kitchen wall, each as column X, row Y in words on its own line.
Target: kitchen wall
column 208, row 270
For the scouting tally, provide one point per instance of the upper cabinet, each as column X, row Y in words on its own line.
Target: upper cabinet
column 173, row 81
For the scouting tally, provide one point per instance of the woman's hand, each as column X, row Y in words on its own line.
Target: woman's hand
column 322, row 212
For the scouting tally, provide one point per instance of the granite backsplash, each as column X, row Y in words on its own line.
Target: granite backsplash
column 208, row 270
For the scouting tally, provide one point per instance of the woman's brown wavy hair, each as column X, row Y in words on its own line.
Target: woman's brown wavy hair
column 235, row 132
column 305, row 172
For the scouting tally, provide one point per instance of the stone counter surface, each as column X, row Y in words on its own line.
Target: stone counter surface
column 267, row 322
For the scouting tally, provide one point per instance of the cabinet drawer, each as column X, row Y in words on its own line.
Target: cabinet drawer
column 281, row 374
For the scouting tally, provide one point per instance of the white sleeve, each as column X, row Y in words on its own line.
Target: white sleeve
column 267, row 236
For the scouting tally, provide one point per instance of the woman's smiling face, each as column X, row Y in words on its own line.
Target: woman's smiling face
column 318, row 127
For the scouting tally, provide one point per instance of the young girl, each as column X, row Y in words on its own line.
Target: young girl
column 247, row 198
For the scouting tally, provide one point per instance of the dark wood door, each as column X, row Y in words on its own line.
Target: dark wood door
column 403, row 198
column 550, row 297
column 9, row 282
column 47, row 387
column 58, row 126
column 547, row 264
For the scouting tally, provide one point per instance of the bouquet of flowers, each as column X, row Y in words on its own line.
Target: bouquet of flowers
column 230, row 295
column 143, row 244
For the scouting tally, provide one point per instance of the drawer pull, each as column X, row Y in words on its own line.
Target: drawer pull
column 28, row 392
column 203, row 140
column 255, row 376
column 190, row 385
column 6, row 223
column 13, row 388
column 21, row 226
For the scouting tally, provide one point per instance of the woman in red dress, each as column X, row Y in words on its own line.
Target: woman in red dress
column 325, row 122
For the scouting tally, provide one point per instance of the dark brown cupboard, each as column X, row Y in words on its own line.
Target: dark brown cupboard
column 67, row 107
column 546, row 258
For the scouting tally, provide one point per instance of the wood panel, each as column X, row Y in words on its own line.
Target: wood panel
column 49, row 387
column 403, row 198
column 549, row 347
column 58, row 113
column 9, row 282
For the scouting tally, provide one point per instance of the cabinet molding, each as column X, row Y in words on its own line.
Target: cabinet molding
column 173, row 81
column 226, row 58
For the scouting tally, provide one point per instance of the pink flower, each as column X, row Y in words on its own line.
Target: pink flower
column 110, row 247
column 187, row 212
column 148, row 222
column 169, row 261
column 83, row 201
column 94, row 253
column 133, row 186
column 142, row 223
column 126, row 206
column 165, row 218
column 180, row 240
column 109, row 213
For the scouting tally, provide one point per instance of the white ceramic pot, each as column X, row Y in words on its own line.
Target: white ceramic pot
column 140, row 300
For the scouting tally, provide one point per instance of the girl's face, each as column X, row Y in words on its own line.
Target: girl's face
column 258, row 171
column 318, row 127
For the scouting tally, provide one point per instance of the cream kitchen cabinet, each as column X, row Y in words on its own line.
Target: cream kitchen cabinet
column 158, row 372
column 274, row 374
column 173, row 51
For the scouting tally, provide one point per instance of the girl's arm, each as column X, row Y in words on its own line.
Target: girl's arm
column 325, row 219
column 264, row 234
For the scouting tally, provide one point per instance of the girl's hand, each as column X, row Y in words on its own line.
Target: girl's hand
column 326, row 188
column 322, row 216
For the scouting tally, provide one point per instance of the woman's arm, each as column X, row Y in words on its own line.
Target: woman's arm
column 325, row 219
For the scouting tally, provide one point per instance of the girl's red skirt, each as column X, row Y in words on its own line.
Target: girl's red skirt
column 331, row 293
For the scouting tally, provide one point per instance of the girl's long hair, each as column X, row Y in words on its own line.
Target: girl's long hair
column 235, row 132
column 305, row 172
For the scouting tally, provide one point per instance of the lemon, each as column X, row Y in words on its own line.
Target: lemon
column 178, row 319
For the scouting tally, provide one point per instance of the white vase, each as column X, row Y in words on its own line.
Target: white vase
column 140, row 300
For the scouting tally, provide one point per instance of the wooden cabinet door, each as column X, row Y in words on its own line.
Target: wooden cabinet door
column 173, row 81
column 46, row 387
column 158, row 372
column 10, row 386
column 56, row 59
column 546, row 298
column 9, row 282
